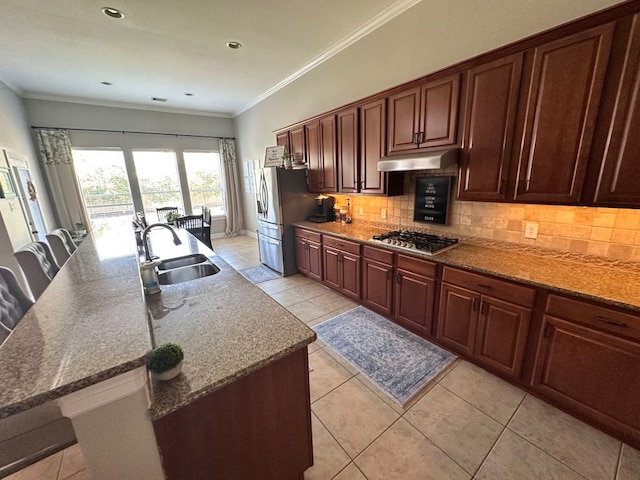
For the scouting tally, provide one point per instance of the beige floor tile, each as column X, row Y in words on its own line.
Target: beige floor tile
column 629, row 468
column 338, row 358
column 485, row 391
column 332, row 300
column 285, row 283
column 579, row 446
column 328, row 457
column 45, row 469
column 81, row 475
column 327, row 374
column 307, row 311
column 72, row 461
column 352, row 472
column 331, row 314
column 514, row 458
column 462, row 431
column 354, row 415
column 299, row 294
column 403, row 453
column 312, row 347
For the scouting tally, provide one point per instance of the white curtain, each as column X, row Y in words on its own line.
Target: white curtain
column 233, row 208
column 54, row 148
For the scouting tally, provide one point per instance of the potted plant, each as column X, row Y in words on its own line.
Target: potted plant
column 165, row 361
column 171, row 217
column 81, row 230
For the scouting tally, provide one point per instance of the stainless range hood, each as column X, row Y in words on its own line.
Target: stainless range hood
column 418, row 161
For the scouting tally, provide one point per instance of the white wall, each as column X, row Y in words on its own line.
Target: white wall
column 430, row 36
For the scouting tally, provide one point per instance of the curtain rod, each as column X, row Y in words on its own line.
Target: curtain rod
column 132, row 132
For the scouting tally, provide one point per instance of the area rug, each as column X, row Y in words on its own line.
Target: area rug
column 397, row 361
column 259, row 274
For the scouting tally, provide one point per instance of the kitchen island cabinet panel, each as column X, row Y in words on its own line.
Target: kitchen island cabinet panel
column 256, row 427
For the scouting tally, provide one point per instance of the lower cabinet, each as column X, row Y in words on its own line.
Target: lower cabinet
column 414, row 294
column 485, row 326
column 309, row 254
column 377, row 280
column 341, row 260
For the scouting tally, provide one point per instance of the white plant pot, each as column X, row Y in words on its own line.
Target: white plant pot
column 169, row 374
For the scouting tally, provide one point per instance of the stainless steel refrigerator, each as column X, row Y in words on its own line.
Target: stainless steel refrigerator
column 282, row 198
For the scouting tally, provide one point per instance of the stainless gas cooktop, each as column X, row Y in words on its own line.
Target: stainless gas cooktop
column 417, row 241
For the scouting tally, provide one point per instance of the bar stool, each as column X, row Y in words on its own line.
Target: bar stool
column 62, row 245
column 13, row 303
column 38, row 265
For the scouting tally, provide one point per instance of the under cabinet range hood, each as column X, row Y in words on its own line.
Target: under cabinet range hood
column 418, row 161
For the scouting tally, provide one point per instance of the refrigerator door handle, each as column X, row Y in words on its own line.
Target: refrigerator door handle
column 264, row 192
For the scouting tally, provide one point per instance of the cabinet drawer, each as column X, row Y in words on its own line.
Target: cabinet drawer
column 383, row 256
column 313, row 236
column 490, row 286
column 340, row 244
column 417, row 266
column 603, row 318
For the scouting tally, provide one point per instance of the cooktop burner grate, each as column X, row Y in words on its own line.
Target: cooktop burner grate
column 424, row 242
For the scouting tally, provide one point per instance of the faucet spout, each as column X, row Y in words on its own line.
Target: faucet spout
column 145, row 242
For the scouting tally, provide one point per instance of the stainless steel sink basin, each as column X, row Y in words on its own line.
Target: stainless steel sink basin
column 178, row 262
column 187, row 273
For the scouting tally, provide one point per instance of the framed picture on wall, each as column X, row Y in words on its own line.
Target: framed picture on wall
column 7, row 188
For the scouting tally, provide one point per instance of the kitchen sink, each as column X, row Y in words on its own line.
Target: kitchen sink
column 187, row 273
column 178, row 262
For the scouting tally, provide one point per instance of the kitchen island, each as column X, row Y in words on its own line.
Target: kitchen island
column 93, row 327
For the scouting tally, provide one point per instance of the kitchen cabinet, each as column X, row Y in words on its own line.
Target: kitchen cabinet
column 562, row 100
column 588, row 361
column 377, row 280
column 309, row 253
column 348, row 158
column 293, row 141
column 424, row 116
column 414, row 294
column 489, row 123
column 485, row 319
column 617, row 183
column 341, row 261
column 320, row 136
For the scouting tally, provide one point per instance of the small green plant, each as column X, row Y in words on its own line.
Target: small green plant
column 164, row 357
column 171, row 217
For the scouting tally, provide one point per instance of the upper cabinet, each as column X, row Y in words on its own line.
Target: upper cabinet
column 424, row 116
column 320, row 136
column 563, row 97
column 293, row 141
column 348, row 164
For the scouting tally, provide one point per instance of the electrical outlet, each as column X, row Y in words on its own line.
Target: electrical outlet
column 530, row 230
column 361, row 211
column 383, row 214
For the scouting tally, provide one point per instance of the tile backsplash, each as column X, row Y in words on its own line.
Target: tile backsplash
column 608, row 232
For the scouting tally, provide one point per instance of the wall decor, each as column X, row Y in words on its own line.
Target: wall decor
column 432, row 199
column 7, row 188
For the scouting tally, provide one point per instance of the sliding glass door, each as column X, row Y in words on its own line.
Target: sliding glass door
column 157, row 172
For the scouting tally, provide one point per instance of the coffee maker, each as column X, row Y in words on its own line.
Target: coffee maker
column 324, row 209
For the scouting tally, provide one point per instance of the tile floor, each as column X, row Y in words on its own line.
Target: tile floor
column 466, row 424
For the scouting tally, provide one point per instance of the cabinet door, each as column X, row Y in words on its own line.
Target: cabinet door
column 282, row 138
column 350, row 273
column 502, row 335
column 312, row 140
column 328, row 154
column 590, row 371
column 618, row 183
column 404, row 120
column 414, row 299
column 296, row 144
column 373, row 122
column 439, row 112
column 562, row 105
column 332, row 267
column 490, row 115
column 377, row 286
column 314, row 252
column 348, row 151
column 302, row 257
column 458, row 319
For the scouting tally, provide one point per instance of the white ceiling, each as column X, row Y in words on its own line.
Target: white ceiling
column 63, row 49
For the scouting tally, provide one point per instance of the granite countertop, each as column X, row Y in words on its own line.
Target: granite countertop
column 583, row 278
column 227, row 327
column 93, row 323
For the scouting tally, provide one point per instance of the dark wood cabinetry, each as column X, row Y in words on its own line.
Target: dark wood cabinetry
column 341, row 260
column 489, row 123
column 377, row 280
column 424, row 116
column 293, row 140
column 414, row 294
column 309, row 254
column 348, row 157
column 320, row 136
column 485, row 319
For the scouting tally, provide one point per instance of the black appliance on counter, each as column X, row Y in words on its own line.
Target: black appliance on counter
column 422, row 242
column 324, row 209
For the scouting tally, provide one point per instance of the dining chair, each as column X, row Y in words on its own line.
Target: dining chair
column 62, row 245
column 13, row 303
column 38, row 265
column 206, row 224
column 195, row 226
column 164, row 211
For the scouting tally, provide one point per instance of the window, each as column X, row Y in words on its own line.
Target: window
column 157, row 173
column 204, row 180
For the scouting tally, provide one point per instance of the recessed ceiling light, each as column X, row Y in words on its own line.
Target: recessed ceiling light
column 234, row 45
column 106, row 83
column 112, row 12
column 189, row 94
column 158, row 99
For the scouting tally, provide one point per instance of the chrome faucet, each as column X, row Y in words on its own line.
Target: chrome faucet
column 145, row 242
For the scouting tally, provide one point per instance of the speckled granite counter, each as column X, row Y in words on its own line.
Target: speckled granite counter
column 607, row 284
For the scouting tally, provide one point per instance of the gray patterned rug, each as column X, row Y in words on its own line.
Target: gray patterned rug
column 397, row 361
column 259, row 274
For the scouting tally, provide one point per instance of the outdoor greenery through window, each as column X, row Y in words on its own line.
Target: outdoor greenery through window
column 203, row 177
column 157, row 172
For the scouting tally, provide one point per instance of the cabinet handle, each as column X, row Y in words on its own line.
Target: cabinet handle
column 611, row 322
column 503, row 182
column 482, row 285
column 484, row 307
column 415, row 138
column 547, row 330
column 389, row 274
column 340, row 257
column 475, row 304
column 420, row 137
column 399, row 278
column 362, row 185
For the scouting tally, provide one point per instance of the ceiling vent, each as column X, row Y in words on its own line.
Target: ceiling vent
column 158, row 99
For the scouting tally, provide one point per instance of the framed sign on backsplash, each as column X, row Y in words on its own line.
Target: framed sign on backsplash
column 432, row 199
